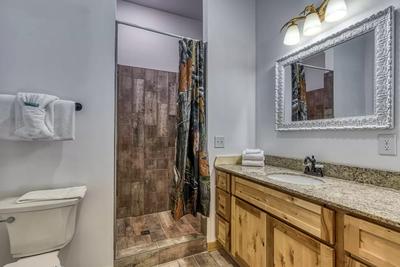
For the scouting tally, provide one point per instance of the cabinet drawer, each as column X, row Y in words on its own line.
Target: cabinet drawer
column 223, row 203
column 350, row 262
column 375, row 244
column 223, row 232
column 223, row 181
column 312, row 218
column 293, row 248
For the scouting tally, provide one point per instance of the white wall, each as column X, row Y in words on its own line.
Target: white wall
column 349, row 147
column 230, row 32
column 65, row 48
column 140, row 48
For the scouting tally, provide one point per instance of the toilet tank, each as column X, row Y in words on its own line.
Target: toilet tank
column 39, row 227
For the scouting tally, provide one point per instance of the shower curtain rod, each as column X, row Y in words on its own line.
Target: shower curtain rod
column 313, row 67
column 153, row 30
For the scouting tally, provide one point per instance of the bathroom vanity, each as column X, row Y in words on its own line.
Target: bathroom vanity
column 267, row 222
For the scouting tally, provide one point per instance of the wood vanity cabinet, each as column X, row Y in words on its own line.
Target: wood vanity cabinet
column 249, row 234
column 264, row 227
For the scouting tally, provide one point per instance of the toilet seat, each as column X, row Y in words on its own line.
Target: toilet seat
column 44, row 260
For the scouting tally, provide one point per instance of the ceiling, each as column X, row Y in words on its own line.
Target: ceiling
column 188, row 8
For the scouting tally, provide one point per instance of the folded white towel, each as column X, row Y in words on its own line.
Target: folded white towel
column 37, row 116
column 256, row 157
column 63, row 118
column 253, row 163
column 54, row 194
column 252, row 151
column 51, row 259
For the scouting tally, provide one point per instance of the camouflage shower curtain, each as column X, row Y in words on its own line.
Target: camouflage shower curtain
column 191, row 192
column 299, row 93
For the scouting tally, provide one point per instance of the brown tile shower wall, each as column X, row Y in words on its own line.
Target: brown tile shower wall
column 146, row 133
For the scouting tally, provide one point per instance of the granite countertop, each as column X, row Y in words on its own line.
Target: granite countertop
column 377, row 203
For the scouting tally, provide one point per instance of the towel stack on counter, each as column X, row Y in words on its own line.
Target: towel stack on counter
column 253, row 157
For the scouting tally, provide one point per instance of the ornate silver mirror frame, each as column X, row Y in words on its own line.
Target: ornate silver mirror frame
column 382, row 23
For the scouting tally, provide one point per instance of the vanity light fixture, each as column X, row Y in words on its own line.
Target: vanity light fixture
column 292, row 35
column 329, row 10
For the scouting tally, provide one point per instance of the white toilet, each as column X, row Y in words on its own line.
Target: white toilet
column 38, row 230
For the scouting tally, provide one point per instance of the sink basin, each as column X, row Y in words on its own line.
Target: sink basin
column 295, row 179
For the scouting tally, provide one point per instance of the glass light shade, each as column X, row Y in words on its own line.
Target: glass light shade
column 312, row 24
column 336, row 10
column 292, row 36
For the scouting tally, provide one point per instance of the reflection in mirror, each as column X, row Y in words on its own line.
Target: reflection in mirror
column 335, row 83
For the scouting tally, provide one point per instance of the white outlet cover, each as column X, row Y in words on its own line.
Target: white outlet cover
column 387, row 144
column 219, row 141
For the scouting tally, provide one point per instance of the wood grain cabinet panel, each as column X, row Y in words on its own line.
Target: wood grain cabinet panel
column 295, row 249
column 223, row 203
column 350, row 262
column 312, row 218
column 223, row 232
column 372, row 243
column 223, row 181
column 249, row 227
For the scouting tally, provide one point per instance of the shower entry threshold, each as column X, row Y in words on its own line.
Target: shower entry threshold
column 157, row 238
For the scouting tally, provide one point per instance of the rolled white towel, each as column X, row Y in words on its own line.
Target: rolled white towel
column 34, row 123
column 253, row 163
column 252, row 151
column 54, row 194
column 256, row 157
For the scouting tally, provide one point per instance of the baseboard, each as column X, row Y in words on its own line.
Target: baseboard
column 212, row 246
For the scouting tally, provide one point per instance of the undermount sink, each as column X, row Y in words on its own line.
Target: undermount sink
column 295, row 179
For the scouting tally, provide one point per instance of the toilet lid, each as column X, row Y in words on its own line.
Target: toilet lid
column 44, row 260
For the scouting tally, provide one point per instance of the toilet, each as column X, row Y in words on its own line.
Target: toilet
column 38, row 230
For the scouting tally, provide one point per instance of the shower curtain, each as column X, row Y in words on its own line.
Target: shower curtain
column 191, row 191
column 299, row 93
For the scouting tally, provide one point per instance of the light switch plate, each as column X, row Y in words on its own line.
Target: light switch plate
column 219, row 141
column 387, row 144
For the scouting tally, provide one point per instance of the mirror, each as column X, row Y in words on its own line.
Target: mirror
column 335, row 83
column 341, row 82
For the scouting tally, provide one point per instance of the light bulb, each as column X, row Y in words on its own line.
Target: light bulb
column 336, row 10
column 312, row 25
column 292, row 36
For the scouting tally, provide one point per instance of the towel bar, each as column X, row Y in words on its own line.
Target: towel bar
column 8, row 220
column 78, row 106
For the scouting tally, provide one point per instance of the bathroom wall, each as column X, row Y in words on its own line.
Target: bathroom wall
column 358, row 148
column 140, row 48
column 229, row 28
column 64, row 48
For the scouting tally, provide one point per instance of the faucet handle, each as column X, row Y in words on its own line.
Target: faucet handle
column 319, row 166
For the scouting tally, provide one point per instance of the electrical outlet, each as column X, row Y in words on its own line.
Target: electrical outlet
column 219, row 141
column 387, row 144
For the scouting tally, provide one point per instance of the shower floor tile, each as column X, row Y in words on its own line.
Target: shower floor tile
column 158, row 232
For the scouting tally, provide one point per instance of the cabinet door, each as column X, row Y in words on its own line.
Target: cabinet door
column 249, row 227
column 223, row 232
column 350, row 262
column 372, row 243
column 295, row 249
column 223, row 203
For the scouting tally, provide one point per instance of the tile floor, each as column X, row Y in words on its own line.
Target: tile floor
column 205, row 259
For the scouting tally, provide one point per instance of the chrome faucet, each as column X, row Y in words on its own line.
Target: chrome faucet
column 312, row 168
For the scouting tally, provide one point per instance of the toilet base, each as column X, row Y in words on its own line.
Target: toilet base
column 43, row 260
